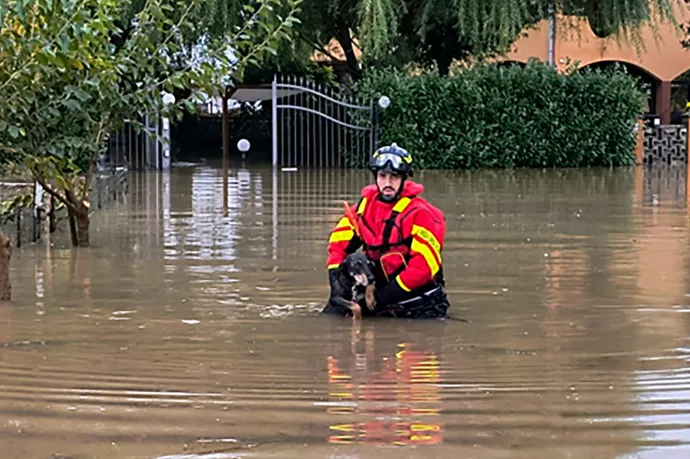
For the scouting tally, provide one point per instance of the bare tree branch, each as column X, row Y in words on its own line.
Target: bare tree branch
column 41, row 181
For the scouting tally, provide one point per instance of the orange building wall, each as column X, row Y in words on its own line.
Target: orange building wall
column 663, row 56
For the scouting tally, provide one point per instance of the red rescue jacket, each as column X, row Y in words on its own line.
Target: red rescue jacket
column 405, row 237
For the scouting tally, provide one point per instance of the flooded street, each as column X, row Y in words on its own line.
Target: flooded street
column 182, row 332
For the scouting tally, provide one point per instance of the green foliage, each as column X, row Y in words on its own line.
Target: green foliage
column 66, row 86
column 494, row 25
column 292, row 59
column 378, row 23
column 6, row 160
column 479, row 27
column 495, row 116
column 72, row 72
column 10, row 207
column 621, row 19
column 434, row 32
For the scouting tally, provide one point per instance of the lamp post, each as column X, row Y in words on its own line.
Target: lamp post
column 226, row 153
column 243, row 145
column 383, row 103
column 168, row 99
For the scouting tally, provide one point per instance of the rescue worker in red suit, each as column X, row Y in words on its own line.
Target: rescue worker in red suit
column 402, row 234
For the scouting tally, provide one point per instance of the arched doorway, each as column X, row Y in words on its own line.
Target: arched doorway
column 680, row 96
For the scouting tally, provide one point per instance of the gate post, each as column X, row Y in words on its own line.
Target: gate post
column 687, row 141
column 374, row 128
column 274, row 119
column 639, row 146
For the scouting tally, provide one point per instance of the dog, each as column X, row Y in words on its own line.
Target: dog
column 354, row 282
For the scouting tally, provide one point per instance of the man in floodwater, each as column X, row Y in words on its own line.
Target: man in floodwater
column 402, row 234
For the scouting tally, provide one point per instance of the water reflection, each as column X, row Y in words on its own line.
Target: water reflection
column 385, row 394
column 184, row 332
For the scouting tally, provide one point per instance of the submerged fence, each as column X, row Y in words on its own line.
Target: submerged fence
column 26, row 225
column 140, row 149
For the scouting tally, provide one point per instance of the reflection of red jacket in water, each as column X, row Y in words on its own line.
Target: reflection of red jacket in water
column 405, row 238
column 396, row 400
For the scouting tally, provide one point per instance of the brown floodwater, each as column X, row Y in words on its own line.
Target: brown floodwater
column 182, row 333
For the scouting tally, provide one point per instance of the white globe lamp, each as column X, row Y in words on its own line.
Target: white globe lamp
column 243, row 145
column 168, row 98
column 384, row 102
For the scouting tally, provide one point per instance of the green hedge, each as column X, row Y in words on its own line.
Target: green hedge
column 497, row 116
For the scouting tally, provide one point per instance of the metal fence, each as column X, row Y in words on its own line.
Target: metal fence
column 315, row 126
column 27, row 224
column 138, row 149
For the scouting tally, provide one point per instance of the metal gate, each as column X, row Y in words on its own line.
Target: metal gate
column 140, row 149
column 316, row 127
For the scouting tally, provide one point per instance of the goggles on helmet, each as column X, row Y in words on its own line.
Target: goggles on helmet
column 396, row 162
column 390, row 161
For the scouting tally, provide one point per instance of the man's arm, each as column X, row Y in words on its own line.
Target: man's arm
column 341, row 243
column 425, row 258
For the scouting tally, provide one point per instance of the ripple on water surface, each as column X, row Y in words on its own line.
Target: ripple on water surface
column 186, row 334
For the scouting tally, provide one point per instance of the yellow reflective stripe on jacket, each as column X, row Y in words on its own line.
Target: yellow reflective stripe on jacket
column 429, row 237
column 340, row 236
column 402, row 205
column 344, row 223
column 430, row 252
column 344, row 231
column 402, row 285
column 334, row 265
column 425, row 251
column 362, row 206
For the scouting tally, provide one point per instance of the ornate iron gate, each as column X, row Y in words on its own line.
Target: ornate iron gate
column 135, row 149
column 314, row 126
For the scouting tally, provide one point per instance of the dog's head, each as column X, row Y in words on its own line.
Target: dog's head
column 360, row 268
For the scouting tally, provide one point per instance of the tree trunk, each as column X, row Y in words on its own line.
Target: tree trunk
column 443, row 63
column 79, row 225
column 343, row 37
column 72, row 227
column 83, row 229
column 51, row 214
column 5, row 255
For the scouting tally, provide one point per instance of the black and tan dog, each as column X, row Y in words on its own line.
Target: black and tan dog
column 353, row 284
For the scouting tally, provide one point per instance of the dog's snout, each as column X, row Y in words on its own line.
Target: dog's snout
column 362, row 279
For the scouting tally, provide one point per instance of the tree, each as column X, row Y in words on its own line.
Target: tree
column 72, row 72
column 8, row 212
column 291, row 59
column 323, row 20
column 441, row 31
column 400, row 32
column 622, row 20
column 437, row 34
